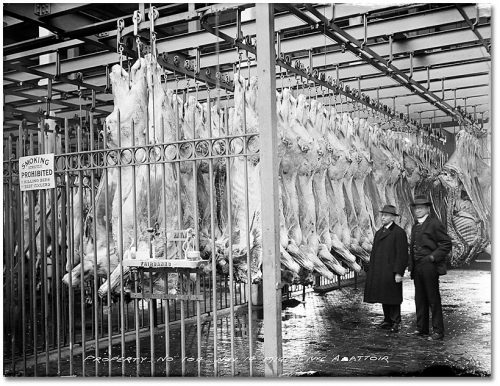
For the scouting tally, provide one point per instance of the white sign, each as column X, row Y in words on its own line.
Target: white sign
column 37, row 172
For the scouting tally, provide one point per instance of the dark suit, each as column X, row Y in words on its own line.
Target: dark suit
column 428, row 239
column 389, row 256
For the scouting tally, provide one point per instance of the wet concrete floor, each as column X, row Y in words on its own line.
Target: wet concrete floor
column 336, row 334
column 333, row 334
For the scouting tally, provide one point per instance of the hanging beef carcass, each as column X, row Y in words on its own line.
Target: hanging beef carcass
column 326, row 242
column 296, row 167
column 193, row 186
column 125, row 127
column 82, row 222
column 294, row 141
column 304, row 185
column 158, row 112
column 357, row 214
column 338, row 164
column 467, row 180
column 244, row 229
column 289, row 143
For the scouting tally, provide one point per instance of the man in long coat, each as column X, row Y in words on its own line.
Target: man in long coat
column 430, row 244
column 388, row 261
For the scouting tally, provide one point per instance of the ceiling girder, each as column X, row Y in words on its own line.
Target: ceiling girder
column 368, row 85
column 404, row 23
column 61, row 78
column 31, row 116
column 352, row 44
column 58, row 102
column 428, row 19
column 58, row 26
column 473, row 28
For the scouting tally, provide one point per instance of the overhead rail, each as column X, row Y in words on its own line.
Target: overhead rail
column 473, row 26
column 311, row 74
column 385, row 66
column 175, row 62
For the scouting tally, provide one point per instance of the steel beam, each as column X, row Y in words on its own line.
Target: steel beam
column 30, row 116
column 43, row 50
column 368, row 85
column 62, row 78
column 92, row 61
column 211, row 76
column 60, row 32
column 53, row 101
column 271, row 265
column 382, row 65
column 171, row 45
column 179, row 43
column 472, row 27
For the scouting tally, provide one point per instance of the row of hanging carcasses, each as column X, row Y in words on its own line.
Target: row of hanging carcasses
column 183, row 165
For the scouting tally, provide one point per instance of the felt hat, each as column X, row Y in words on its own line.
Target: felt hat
column 421, row 200
column 391, row 209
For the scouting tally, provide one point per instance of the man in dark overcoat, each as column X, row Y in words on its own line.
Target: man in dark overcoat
column 429, row 246
column 388, row 261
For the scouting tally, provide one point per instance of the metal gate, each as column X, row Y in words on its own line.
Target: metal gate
column 146, row 259
column 86, row 327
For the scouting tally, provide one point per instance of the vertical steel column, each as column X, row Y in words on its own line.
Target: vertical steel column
column 71, row 250
column 249, row 258
column 56, row 262
column 33, row 251
column 8, row 258
column 94, row 231
column 22, row 249
column 119, row 192
column 134, row 274
column 211, row 180
column 108, row 256
column 80, row 166
column 266, row 65
column 152, row 301
column 43, row 247
column 164, row 209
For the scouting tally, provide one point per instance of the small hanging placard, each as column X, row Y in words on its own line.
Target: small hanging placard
column 37, row 172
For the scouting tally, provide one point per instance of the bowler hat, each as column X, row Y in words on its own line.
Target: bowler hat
column 421, row 200
column 391, row 209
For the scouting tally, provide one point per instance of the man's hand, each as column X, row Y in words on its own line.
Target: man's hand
column 398, row 278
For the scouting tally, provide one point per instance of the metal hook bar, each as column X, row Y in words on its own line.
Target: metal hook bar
column 58, row 65
column 49, row 95
column 365, row 27
column 153, row 45
column 390, row 50
column 239, row 34
column 411, row 65
column 476, row 22
column 92, row 108
column 311, row 60
column 197, row 62
column 428, row 78
column 442, row 88
column 136, row 19
column 278, row 45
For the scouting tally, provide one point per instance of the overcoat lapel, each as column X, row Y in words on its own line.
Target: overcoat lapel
column 383, row 234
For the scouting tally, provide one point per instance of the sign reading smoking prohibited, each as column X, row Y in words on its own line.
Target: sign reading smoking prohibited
column 37, row 172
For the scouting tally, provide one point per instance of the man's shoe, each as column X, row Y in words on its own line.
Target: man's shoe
column 385, row 325
column 418, row 333
column 435, row 336
column 395, row 327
